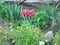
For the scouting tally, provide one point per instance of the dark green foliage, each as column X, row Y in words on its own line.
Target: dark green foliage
column 10, row 13
column 52, row 13
column 47, row 16
column 41, row 19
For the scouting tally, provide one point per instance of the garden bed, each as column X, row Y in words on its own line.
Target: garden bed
column 36, row 6
column 18, row 27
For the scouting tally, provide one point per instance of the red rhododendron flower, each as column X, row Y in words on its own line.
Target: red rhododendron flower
column 28, row 12
column 25, row 12
column 31, row 12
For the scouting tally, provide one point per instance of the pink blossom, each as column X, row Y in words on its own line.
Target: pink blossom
column 31, row 12
column 25, row 12
column 28, row 12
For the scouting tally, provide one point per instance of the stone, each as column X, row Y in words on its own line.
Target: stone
column 49, row 35
column 41, row 43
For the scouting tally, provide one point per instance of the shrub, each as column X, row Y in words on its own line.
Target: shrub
column 25, row 34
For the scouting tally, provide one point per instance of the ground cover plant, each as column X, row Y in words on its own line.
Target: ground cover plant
column 25, row 34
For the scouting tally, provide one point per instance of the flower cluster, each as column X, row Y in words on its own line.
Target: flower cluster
column 27, row 12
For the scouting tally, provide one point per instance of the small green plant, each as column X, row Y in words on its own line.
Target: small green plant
column 57, row 38
column 46, row 17
column 52, row 13
column 25, row 34
column 11, row 13
column 41, row 19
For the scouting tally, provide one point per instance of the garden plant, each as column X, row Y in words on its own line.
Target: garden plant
column 25, row 34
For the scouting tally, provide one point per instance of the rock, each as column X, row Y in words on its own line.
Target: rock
column 41, row 43
column 49, row 35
